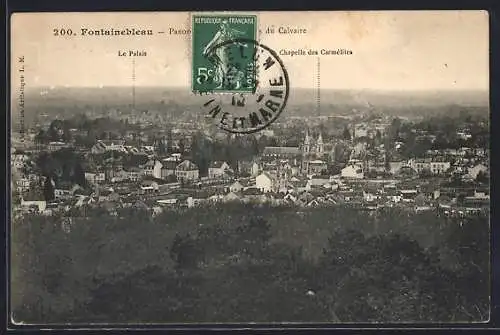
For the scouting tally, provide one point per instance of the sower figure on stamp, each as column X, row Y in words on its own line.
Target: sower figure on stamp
column 225, row 73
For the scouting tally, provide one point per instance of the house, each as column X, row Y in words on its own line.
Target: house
column 54, row 146
column 236, row 187
column 317, row 166
column 18, row 159
column 193, row 201
column 430, row 191
column 95, row 177
column 168, row 166
column 152, row 168
column 408, row 195
column 187, row 171
column 300, row 184
column 266, row 182
column 61, row 193
column 352, row 171
column 133, row 174
column 219, row 169
column 103, row 146
column 319, row 181
column 39, row 205
column 282, row 152
column 420, row 164
column 475, row 170
column 171, row 199
column 150, row 186
column 254, row 169
column 419, row 209
column 439, row 167
column 23, row 184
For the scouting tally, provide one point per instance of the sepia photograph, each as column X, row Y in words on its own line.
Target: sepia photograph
column 249, row 168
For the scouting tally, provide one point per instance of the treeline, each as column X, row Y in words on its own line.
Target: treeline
column 99, row 128
column 63, row 166
column 232, row 150
column 445, row 129
column 240, row 263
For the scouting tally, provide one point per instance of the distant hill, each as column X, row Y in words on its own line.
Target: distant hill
column 302, row 102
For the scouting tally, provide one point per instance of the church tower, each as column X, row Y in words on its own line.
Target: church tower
column 306, row 152
column 320, row 146
column 306, row 146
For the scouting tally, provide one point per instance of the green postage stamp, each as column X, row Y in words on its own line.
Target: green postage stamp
column 220, row 55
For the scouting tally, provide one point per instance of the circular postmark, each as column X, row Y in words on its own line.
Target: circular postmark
column 253, row 86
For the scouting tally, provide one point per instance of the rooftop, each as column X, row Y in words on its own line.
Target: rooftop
column 281, row 151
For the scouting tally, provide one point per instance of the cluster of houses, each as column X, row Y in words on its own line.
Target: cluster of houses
column 297, row 176
column 157, row 195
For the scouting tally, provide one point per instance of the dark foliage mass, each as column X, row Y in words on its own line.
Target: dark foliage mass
column 251, row 264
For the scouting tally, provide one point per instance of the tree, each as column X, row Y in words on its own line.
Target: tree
column 66, row 135
column 48, row 189
column 182, row 145
column 255, row 236
column 378, row 137
column 79, row 175
column 387, row 160
column 346, row 135
column 169, row 147
column 483, row 177
column 172, row 178
column 162, row 148
column 185, row 252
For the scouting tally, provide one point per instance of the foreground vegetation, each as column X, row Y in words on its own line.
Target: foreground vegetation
column 238, row 263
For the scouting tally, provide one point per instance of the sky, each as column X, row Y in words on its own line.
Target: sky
column 392, row 50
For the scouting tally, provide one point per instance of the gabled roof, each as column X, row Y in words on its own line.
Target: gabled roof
column 268, row 175
column 187, row 165
column 237, row 184
column 217, row 164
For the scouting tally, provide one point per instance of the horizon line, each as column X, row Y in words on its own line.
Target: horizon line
column 486, row 90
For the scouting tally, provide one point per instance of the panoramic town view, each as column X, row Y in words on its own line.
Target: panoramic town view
column 112, row 203
column 366, row 201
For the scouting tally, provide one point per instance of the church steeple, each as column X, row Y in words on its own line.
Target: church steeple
column 320, row 144
column 307, row 139
column 307, row 143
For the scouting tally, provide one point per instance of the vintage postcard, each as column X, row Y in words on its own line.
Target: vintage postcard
column 250, row 167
